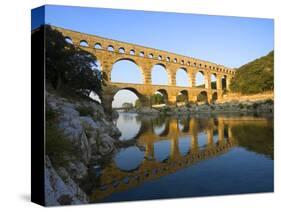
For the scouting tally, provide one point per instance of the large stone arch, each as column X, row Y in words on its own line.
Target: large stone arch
column 167, row 73
column 187, row 76
column 130, row 60
column 200, row 75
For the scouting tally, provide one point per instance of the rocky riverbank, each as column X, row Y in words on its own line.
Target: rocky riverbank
column 78, row 135
column 242, row 107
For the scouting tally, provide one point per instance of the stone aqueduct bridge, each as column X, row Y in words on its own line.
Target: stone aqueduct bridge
column 109, row 51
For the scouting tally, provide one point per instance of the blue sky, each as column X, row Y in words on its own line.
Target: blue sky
column 231, row 41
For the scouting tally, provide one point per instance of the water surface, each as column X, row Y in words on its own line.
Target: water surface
column 187, row 157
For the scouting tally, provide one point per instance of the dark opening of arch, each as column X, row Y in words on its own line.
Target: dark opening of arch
column 214, row 97
column 132, row 52
column 182, row 97
column 202, row 97
column 213, row 81
column 110, row 48
column 84, row 43
column 68, row 40
column 121, row 50
column 223, row 82
column 98, row 46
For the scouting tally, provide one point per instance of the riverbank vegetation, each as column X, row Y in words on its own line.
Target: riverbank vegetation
column 255, row 77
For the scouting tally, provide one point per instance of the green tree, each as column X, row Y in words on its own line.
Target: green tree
column 255, row 77
column 157, row 99
column 181, row 98
column 127, row 105
column 137, row 104
column 69, row 67
column 202, row 97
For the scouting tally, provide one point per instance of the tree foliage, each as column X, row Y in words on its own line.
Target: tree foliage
column 202, row 97
column 137, row 104
column 181, row 98
column 68, row 66
column 127, row 105
column 255, row 77
column 157, row 99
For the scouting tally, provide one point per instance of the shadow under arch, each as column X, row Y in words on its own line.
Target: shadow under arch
column 202, row 96
column 164, row 93
column 214, row 96
column 183, row 96
column 213, row 81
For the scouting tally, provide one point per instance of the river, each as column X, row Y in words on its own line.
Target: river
column 187, row 157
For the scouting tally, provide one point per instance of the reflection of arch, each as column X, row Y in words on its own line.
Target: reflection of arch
column 159, row 74
column 126, row 67
column 165, row 131
column 162, row 150
column 144, row 127
column 124, row 162
column 202, row 96
column 185, row 124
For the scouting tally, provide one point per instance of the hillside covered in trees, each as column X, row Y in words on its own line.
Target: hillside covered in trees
column 255, row 77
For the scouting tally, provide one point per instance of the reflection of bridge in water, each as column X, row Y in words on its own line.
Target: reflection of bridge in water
column 113, row 179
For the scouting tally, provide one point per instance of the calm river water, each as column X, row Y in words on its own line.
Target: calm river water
column 187, row 157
